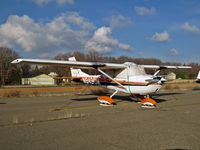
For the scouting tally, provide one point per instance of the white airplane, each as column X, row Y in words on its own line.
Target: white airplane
column 198, row 78
column 128, row 77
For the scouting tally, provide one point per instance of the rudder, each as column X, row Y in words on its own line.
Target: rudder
column 76, row 72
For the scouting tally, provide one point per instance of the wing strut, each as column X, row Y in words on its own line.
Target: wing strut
column 114, row 93
column 110, row 78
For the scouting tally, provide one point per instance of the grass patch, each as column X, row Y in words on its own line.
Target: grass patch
column 14, row 93
column 35, row 93
column 168, row 87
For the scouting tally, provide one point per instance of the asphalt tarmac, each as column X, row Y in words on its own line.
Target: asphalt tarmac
column 77, row 122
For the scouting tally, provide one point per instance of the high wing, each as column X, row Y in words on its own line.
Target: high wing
column 164, row 67
column 159, row 68
column 90, row 65
column 79, row 64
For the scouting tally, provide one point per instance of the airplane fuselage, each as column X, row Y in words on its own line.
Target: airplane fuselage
column 133, row 85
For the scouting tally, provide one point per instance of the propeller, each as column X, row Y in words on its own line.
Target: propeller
column 156, row 78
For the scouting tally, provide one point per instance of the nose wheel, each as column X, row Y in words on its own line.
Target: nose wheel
column 145, row 101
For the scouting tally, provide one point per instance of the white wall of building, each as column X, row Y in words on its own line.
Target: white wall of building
column 42, row 79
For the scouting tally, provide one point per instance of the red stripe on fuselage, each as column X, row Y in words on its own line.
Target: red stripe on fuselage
column 123, row 82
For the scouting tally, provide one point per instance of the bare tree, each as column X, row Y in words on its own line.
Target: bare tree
column 8, row 72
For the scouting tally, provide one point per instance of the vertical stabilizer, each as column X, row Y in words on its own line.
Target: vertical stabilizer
column 72, row 59
column 77, row 72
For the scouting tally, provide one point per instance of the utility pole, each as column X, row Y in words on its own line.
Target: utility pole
column 2, row 73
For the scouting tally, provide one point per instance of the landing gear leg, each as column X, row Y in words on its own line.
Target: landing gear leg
column 135, row 98
column 113, row 94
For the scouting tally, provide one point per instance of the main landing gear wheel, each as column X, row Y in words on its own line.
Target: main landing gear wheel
column 148, row 103
column 106, row 101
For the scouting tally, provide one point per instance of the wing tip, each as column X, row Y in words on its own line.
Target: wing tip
column 16, row 61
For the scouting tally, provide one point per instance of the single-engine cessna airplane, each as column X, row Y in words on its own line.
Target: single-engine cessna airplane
column 127, row 77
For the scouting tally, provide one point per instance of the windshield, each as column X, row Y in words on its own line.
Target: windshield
column 136, row 70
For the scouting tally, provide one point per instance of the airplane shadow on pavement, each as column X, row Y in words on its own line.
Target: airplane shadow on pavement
column 158, row 97
column 93, row 96
column 2, row 103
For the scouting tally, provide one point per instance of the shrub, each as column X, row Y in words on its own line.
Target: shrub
column 12, row 94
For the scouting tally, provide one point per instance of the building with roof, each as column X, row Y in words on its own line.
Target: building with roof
column 42, row 79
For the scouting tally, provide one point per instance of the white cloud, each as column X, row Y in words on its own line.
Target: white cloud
column 118, row 21
column 65, row 1
column 24, row 33
column 75, row 18
column 190, row 28
column 59, row 2
column 161, row 37
column 103, row 42
column 67, row 32
column 173, row 52
column 144, row 11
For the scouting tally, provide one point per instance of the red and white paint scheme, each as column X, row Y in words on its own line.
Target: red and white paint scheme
column 127, row 77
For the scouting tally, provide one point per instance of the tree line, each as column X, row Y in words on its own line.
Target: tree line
column 11, row 74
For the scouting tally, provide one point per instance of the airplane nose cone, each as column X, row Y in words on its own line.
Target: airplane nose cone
column 163, row 79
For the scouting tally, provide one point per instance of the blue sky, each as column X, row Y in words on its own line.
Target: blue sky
column 167, row 30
